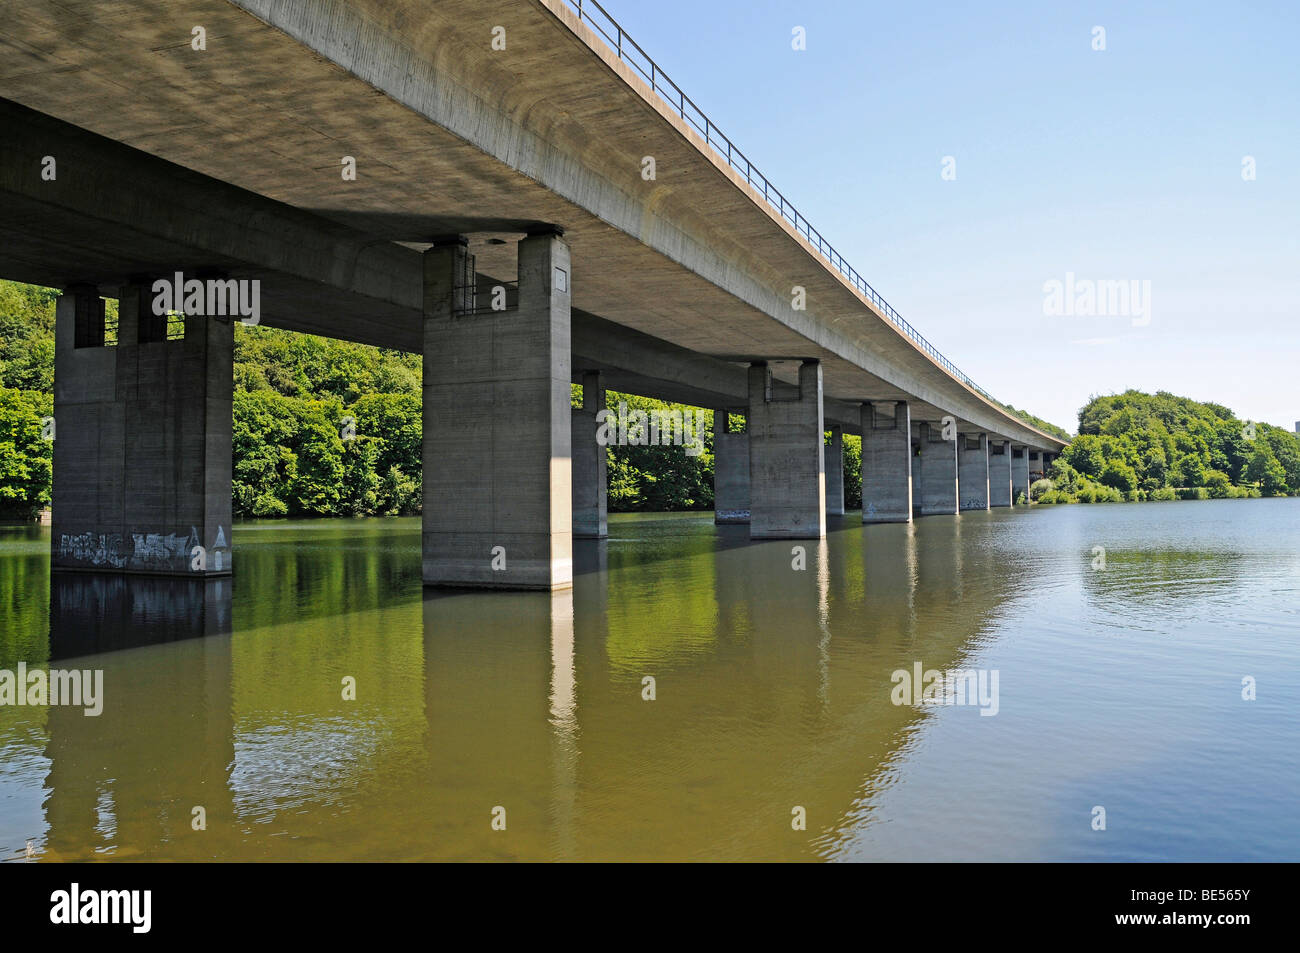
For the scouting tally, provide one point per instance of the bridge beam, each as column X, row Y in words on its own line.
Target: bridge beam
column 886, row 462
column 786, row 457
column 1000, row 493
column 590, row 463
column 834, row 452
column 498, row 499
column 973, row 471
column 142, row 452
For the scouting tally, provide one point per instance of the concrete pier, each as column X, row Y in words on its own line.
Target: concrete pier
column 1000, row 493
column 915, row 451
column 142, row 454
column 834, row 452
column 1019, row 473
column 730, row 471
column 786, row 457
column 938, row 472
column 886, row 462
column 590, row 464
column 973, row 471
column 498, row 498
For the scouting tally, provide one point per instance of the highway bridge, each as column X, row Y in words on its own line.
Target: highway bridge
column 512, row 188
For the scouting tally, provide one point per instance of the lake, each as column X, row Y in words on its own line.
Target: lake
column 694, row 696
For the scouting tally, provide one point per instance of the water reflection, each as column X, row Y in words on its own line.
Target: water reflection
column 771, row 665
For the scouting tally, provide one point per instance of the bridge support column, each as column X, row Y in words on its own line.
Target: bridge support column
column 834, row 454
column 730, row 471
column 914, row 450
column 973, row 471
column 786, row 457
column 886, row 462
column 498, row 499
column 938, row 468
column 1019, row 473
column 590, row 464
column 142, row 447
column 1000, row 473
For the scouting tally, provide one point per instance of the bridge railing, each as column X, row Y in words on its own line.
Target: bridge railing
column 631, row 53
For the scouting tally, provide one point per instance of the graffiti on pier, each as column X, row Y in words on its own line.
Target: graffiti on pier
column 156, row 551
column 97, row 549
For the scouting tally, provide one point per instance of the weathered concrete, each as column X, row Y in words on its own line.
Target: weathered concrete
column 1000, row 473
column 730, row 471
column 973, row 471
column 834, row 453
column 786, row 457
column 1019, row 473
column 886, row 462
column 498, row 498
column 590, row 464
column 938, row 472
column 142, row 454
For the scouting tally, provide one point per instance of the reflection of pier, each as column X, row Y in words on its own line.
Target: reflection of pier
column 772, row 690
column 96, row 612
column 164, row 744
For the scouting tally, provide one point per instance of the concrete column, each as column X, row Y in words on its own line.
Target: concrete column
column 590, row 464
column 1035, row 465
column 915, row 450
column 1000, row 473
column 730, row 471
column 786, row 460
column 938, row 472
column 973, row 471
column 142, row 454
column 835, row 473
column 886, row 462
column 1019, row 473
column 498, row 497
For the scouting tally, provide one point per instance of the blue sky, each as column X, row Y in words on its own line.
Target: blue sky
column 1122, row 164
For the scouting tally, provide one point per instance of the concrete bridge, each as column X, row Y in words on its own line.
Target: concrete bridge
column 533, row 204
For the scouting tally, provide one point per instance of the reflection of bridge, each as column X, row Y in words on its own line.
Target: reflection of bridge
column 774, row 689
column 484, row 158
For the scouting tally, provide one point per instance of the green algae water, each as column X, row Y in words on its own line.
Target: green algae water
column 695, row 696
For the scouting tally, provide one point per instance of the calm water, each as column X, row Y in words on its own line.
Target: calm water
column 1118, row 687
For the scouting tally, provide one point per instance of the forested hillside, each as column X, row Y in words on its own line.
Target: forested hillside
column 1137, row 446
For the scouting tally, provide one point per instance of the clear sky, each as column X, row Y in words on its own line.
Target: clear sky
column 1121, row 164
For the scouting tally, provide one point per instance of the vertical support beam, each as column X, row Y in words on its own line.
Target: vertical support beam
column 835, row 473
column 730, row 471
column 786, row 459
column 886, row 462
column 1036, row 471
column 1000, row 473
column 915, row 451
column 973, row 471
column 1019, row 473
column 142, row 450
column 938, row 472
column 498, row 498
column 590, row 464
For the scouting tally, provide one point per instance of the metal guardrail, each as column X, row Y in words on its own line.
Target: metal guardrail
column 631, row 53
